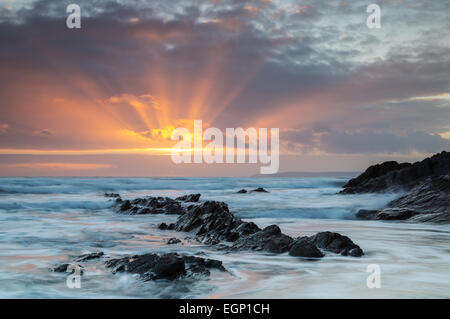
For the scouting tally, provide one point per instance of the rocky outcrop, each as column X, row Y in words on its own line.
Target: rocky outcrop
column 427, row 202
column 166, row 266
column 270, row 239
column 336, row 243
column 260, row 190
column 242, row 191
column 393, row 176
column 304, row 247
column 150, row 205
column 193, row 198
column 213, row 221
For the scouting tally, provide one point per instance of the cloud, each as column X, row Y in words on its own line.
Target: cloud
column 4, row 128
column 312, row 69
column 57, row 166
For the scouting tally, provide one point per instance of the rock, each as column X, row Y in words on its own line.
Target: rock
column 167, row 266
column 260, row 190
column 367, row 214
column 189, row 198
column 242, row 191
column 64, row 267
column 210, row 220
column 336, row 243
column 303, row 247
column 112, row 195
column 163, row 226
column 270, row 239
column 173, row 241
column 394, row 176
column 427, row 202
column 151, row 205
column 90, row 256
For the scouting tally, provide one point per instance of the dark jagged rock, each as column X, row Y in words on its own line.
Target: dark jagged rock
column 392, row 176
column 336, row 243
column 270, row 239
column 151, row 205
column 213, row 220
column 192, row 198
column 163, row 226
column 112, row 195
column 427, row 202
column 167, row 266
column 242, row 191
column 90, row 256
column 173, row 241
column 303, row 247
column 260, row 190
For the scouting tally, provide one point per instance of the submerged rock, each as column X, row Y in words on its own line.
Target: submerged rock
column 242, row 191
column 260, row 190
column 90, row 256
column 65, row 266
column 166, row 266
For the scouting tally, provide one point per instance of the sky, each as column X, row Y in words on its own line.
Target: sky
column 103, row 100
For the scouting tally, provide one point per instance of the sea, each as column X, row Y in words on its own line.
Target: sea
column 48, row 221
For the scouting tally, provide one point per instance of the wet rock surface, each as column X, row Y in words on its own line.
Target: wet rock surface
column 427, row 202
column 336, row 243
column 193, row 198
column 152, row 205
column 212, row 223
column 304, row 247
column 270, row 239
column 425, row 184
column 260, row 190
column 393, row 176
column 165, row 266
column 213, row 220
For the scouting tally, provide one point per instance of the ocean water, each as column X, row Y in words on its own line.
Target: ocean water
column 48, row 221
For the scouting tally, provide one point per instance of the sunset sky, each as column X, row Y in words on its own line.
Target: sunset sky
column 103, row 100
